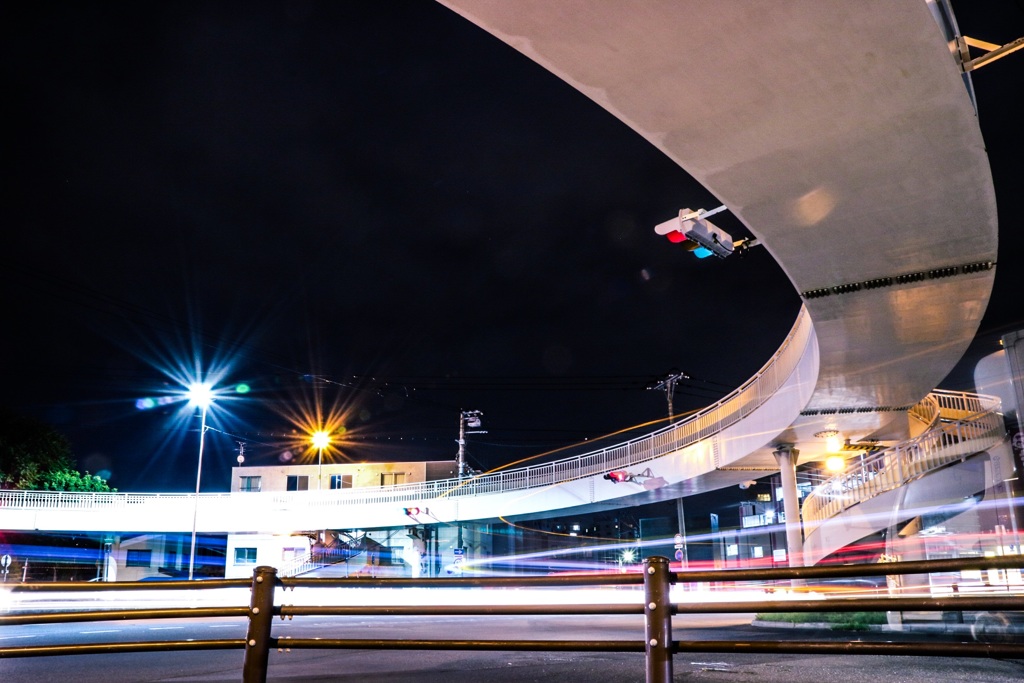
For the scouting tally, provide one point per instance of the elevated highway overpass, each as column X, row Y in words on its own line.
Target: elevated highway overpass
column 842, row 135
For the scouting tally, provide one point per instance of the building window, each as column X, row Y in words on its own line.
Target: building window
column 251, row 484
column 341, row 481
column 245, row 555
column 292, row 554
column 298, row 482
column 392, row 478
column 139, row 558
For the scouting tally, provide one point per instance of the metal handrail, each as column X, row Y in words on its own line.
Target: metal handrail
column 673, row 437
column 975, row 425
column 657, row 643
column 926, row 411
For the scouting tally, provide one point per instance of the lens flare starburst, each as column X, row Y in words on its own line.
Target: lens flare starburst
column 318, row 427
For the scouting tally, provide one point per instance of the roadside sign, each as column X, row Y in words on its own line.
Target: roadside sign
column 5, row 561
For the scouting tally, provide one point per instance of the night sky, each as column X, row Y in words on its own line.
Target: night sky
column 376, row 208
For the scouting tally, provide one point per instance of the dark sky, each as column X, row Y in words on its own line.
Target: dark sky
column 371, row 206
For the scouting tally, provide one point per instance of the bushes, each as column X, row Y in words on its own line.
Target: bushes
column 850, row 621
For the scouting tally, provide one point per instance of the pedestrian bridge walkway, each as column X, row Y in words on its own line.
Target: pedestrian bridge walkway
column 676, row 460
column 844, row 137
column 706, row 451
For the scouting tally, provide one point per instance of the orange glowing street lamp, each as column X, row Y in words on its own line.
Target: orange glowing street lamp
column 321, row 440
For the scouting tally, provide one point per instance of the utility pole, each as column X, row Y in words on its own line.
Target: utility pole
column 668, row 384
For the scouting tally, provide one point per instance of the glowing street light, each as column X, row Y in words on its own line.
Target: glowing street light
column 835, row 463
column 200, row 394
column 321, row 440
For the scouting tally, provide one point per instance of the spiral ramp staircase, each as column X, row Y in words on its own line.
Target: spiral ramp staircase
column 961, row 453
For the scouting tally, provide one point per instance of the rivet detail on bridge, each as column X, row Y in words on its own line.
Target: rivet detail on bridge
column 652, row 606
column 654, row 642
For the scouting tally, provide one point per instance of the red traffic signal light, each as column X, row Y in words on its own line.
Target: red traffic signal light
column 693, row 231
column 412, row 512
column 618, row 476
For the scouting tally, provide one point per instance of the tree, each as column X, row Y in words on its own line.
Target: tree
column 72, row 480
column 35, row 456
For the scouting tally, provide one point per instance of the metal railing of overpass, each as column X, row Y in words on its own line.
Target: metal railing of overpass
column 657, row 609
column 702, row 425
column 974, row 424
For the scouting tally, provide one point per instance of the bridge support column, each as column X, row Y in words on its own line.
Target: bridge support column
column 680, row 513
column 787, row 456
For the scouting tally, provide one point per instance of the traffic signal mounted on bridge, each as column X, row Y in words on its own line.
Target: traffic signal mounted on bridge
column 618, row 476
column 413, row 512
column 697, row 234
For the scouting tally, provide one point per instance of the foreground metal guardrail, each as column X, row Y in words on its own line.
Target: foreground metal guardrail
column 657, row 608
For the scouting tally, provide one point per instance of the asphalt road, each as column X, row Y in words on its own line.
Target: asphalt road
column 453, row 667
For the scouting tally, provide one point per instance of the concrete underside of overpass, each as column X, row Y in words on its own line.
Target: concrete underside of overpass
column 841, row 135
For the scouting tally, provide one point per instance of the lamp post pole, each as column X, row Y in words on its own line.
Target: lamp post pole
column 471, row 419
column 321, row 439
column 201, row 395
column 460, row 458
column 195, row 507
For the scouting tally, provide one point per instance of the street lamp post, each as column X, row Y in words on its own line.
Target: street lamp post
column 200, row 395
column 321, row 440
column 471, row 419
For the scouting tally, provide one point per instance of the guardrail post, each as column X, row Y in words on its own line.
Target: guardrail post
column 658, row 619
column 261, row 617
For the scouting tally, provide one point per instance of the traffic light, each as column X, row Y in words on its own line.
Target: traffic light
column 412, row 512
column 697, row 234
column 618, row 476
